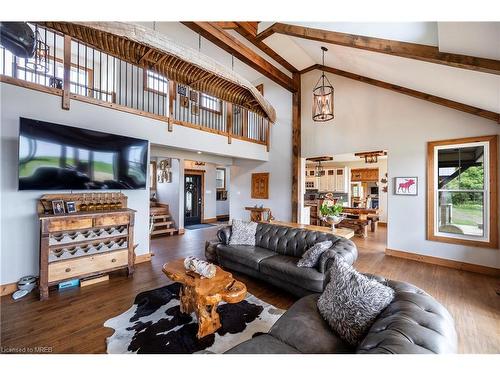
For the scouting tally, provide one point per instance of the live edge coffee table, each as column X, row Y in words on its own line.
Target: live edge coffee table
column 201, row 295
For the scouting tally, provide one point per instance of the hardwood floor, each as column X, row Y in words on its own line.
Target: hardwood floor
column 72, row 321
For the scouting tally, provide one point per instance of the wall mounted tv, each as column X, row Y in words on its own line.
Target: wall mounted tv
column 59, row 157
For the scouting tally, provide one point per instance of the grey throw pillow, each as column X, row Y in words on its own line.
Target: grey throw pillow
column 351, row 301
column 243, row 233
column 311, row 257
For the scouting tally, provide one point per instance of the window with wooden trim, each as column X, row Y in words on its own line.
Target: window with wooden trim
column 462, row 191
column 155, row 82
column 210, row 103
column 220, row 179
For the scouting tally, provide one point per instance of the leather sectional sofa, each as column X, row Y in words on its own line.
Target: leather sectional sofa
column 414, row 323
column 276, row 252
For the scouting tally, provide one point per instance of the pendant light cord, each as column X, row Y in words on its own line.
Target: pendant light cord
column 323, row 65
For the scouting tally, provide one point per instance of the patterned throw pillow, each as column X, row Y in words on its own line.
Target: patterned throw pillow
column 243, row 233
column 311, row 257
column 351, row 301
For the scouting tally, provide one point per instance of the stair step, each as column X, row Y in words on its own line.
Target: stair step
column 160, row 217
column 162, row 223
column 161, row 231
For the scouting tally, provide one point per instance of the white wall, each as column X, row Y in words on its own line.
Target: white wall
column 279, row 165
column 222, row 207
column 369, row 118
column 19, row 251
column 181, row 156
column 168, row 192
column 481, row 39
column 19, row 224
column 382, row 170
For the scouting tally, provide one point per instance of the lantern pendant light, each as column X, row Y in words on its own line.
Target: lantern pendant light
column 41, row 55
column 322, row 103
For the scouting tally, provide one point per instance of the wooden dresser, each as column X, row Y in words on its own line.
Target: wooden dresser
column 84, row 244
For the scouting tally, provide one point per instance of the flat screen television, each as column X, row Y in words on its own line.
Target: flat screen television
column 59, row 157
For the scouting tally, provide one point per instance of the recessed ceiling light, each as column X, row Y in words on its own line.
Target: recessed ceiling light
column 199, row 152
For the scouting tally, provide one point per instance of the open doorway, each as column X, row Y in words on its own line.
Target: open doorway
column 357, row 181
column 193, row 198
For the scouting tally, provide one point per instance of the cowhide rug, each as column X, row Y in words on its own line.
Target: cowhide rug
column 155, row 324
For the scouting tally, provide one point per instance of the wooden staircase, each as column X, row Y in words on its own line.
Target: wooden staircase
column 160, row 220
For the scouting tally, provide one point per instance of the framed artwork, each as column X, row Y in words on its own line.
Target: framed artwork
column 406, row 185
column 70, row 207
column 193, row 96
column 182, row 90
column 58, row 207
column 184, row 101
column 260, row 185
column 195, row 109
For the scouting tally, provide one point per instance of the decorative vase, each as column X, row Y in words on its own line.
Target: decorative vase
column 333, row 220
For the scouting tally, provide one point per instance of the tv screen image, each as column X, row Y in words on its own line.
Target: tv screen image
column 60, row 157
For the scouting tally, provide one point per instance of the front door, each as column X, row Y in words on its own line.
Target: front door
column 193, row 199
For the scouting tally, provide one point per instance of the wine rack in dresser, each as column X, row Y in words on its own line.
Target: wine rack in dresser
column 84, row 244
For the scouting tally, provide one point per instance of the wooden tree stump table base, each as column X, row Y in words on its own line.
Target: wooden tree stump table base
column 201, row 295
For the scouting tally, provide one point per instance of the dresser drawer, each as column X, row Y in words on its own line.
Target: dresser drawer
column 85, row 265
column 68, row 223
column 120, row 219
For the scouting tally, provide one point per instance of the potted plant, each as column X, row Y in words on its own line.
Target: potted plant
column 332, row 214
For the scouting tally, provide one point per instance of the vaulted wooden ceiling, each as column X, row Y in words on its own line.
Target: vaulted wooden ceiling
column 455, row 66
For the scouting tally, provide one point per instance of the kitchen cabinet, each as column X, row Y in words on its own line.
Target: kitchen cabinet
column 364, row 174
column 341, row 180
column 331, row 180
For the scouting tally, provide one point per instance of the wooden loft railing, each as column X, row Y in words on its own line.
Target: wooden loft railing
column 76, row 71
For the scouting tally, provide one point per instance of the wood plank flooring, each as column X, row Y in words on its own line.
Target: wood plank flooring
column 72, row 321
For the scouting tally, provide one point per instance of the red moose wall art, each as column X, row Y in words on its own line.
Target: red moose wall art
column 406, row 185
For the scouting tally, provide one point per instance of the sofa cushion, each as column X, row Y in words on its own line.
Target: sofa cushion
column 243, row 233
column 249, row 256
column 263, row 344
column 285, row 268
column 351, row 301
column 303, row 328
column 311, row 257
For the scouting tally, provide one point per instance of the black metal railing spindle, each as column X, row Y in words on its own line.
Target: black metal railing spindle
column 46, row 61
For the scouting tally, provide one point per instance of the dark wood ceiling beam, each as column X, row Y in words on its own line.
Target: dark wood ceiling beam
column 308, row 69
column 227, row 25
column 416, row 94
column 266, row 33
column 232, row 45
column 392, row 47
column 266, row 49
column 249, row 27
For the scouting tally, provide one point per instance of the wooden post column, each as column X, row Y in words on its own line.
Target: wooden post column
column 268, row 136
column 296, row 149
column 171, row 98
column 244, row 121
column 229, row 123
column 67, row 72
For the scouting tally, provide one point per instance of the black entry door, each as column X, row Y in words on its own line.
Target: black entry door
column 192, row 199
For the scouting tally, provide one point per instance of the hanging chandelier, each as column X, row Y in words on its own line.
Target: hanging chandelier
column 370, row 157
column 322, row 104
column 41, row 55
